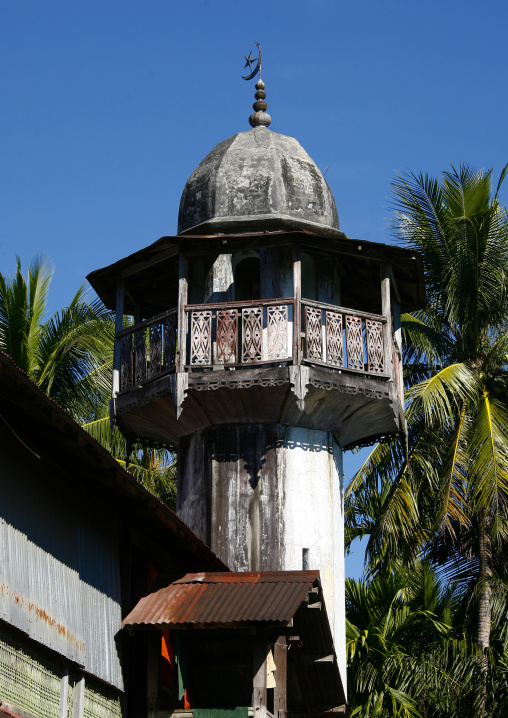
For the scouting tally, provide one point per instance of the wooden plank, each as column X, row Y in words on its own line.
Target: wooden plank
column 343, row 310
column 244, row 303
column 146, row 323
column 280, row 657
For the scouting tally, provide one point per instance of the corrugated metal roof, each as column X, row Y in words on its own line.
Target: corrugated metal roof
column 225, row 600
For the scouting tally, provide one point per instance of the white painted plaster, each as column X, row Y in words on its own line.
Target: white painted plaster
column 311, row 464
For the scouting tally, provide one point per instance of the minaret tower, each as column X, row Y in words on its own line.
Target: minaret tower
column 265, row 342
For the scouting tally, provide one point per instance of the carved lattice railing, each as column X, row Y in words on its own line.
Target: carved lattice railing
column 147, row 349
column 344, row 339
column 237, row 334
column 243, row 334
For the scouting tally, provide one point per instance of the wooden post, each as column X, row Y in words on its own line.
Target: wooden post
column 79, row 697
column 153, row 646
column 117, row 352
column 387, row 314
column 259, row 676
column 297, row 311
column 64, row 692
column 280, row 657
column 398, row 343
column 182, row 316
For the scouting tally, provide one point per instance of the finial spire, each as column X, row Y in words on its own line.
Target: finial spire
column 259, row 118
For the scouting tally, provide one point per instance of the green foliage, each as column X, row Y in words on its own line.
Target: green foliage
column 408, row 648
column 443, row 494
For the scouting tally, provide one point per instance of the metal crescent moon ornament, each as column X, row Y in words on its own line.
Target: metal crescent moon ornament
column 258, row 66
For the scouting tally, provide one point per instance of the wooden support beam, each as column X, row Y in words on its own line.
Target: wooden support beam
column 280, row 657
column 259, row 654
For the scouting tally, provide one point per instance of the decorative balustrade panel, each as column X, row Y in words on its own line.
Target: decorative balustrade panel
column 201, row 342
column 314, row 334
column 344, row 339
column 227, row 336
column 140, row 368
column 169, row 355
column 354, row 342
column 375, row 353
column 125, row 362
column 252, row 331
column 277, row 331
column 334, row 339
column 240, row 335
column 147, row 350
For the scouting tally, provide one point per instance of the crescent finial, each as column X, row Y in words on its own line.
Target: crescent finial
column 259, row 118
column 250, row 60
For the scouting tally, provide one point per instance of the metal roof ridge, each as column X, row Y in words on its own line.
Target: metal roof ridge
column 249, row 577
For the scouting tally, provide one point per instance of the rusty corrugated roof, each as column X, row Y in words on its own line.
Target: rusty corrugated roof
column 225, row 600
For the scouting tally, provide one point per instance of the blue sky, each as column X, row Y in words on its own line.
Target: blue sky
column 108, row 105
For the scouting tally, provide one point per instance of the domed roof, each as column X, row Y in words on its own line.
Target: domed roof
column 257, row 181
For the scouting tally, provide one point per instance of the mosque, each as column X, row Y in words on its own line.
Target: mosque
column 265, row 342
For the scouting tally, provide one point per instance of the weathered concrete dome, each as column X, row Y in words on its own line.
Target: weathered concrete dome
column 257, row 181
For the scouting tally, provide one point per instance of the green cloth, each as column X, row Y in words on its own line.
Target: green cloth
column 181, row 663
column 238, row 712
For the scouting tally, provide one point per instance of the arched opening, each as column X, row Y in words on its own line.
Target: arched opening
column 247, row 279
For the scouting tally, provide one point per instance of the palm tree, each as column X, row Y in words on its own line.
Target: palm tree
column 70, row 357
column 445, row 494
column 403, row 659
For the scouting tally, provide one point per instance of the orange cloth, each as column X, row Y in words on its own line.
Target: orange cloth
column 167, row 659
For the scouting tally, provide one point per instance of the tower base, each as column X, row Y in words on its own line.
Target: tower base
column 269, row 497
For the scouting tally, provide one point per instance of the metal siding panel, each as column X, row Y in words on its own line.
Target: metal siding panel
column 40, row 595
column 100, row 599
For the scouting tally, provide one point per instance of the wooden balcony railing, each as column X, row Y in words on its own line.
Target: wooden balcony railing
column 344, row 339
column 254, row 333
column 240, row 333
column 147, row 349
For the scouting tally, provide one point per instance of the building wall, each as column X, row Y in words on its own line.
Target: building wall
column 269, row 498
column 59, row 565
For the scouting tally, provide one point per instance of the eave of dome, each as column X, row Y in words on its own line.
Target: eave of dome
column 257, row 179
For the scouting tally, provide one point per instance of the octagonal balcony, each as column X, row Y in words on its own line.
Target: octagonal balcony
column 281, row 360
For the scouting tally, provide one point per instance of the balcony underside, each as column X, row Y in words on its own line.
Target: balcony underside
column 355, row 408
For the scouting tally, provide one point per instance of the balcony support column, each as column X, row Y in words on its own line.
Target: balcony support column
column 297, row 311
column 182, row 317
column 181, row 376
column 397, row 331
column 117, row 358
column 386, row 310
